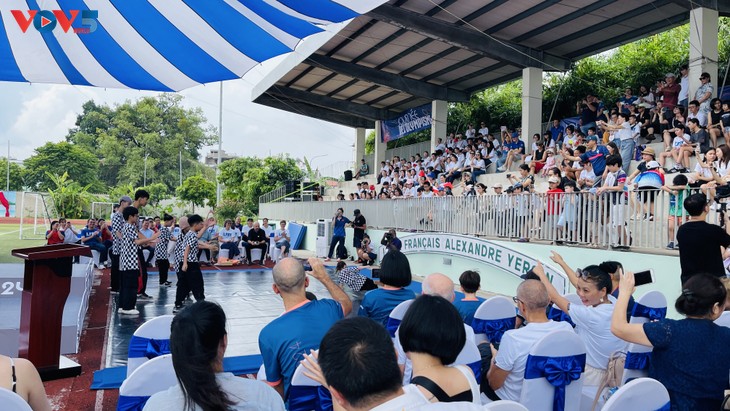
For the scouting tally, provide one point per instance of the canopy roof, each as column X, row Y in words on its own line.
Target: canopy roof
column 409, row 52
column 158, row 45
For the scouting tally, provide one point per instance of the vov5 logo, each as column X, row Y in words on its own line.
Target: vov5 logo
column 47, row 20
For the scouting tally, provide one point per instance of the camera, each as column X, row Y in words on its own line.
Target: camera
column 387, row 239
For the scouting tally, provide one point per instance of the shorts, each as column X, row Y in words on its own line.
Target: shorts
column 539, row 166
column 618, row 215
column 727, row 130
column 646, row 194
column 562, row 222
column 372, row 256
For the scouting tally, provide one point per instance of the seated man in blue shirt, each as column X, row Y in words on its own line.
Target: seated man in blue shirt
column 91, row 236
column 301, row 328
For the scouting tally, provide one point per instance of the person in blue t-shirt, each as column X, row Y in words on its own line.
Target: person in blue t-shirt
column 395, row 275
column 91, row 236
column 690, row 356
column 596, row 154
column 556, row 131
column 339, row 222
column 470, row 282
column 284, row 341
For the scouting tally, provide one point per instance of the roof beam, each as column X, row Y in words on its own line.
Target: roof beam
column 315, row 112
column 564, row 20
column 334, row 104
column 469, row 39
column 394, row 81
column 723, row 7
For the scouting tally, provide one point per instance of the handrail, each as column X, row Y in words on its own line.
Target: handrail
column 278, row 194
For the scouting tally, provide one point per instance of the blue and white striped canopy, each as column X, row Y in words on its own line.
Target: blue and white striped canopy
column 160, row 45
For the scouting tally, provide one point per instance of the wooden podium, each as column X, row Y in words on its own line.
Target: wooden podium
column 46, row 286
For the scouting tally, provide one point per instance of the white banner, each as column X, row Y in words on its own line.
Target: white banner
column 484, row 251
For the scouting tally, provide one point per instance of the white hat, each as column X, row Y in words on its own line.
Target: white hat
column 553, row 179
column 651, row 165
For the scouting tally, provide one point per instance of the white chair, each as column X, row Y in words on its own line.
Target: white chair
column 154, row 376
column 305, row 394
column 567, row 350
column 493, row 317
column 471, row 357
column 556, row 314
column 149, row 340
column 256, row 254
column 274, row 251
column 651, row 306
column 638, row 395
column 95, row 256
column 12, row 401
column 504, row 405
column 223, row 253
column 261, row 375
column 396, row 316
column 724, row 319
column 637, row 362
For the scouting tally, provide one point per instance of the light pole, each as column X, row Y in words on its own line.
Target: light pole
column 311, row 161
column 145, row 169
column 220, row 148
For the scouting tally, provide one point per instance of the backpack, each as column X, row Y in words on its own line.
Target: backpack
column 341, row 251
column 614, row 375
column 637, row 153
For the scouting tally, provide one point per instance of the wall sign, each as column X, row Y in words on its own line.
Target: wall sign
column 483, row 251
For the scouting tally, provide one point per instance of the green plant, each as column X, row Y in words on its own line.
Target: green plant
column 228, row 209
column 71, row 199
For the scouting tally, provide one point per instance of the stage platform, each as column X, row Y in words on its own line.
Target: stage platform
column 245, row 294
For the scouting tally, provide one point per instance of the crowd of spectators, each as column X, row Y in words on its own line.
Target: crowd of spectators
column 593, row 157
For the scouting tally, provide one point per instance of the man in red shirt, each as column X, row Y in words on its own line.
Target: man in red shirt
column 669, row 89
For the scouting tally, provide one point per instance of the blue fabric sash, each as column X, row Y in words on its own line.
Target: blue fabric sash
column 637, row 360
column 665, row 407
column 392, row 326
column 131, row 403
column 147, row 347
column 556, row 314
column 494, row 329
column 308, row 398
column 653, row 314
column 476, row 367
column 558, row 371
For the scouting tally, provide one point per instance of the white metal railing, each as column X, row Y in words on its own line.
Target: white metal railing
column 583, row 219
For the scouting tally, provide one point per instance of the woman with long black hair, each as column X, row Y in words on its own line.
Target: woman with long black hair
column 198, row 342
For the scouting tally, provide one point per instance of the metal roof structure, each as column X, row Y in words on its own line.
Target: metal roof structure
column 406, row 53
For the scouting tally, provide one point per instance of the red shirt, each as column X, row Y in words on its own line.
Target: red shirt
column 54, row 238
column 553, row 200
column 671, row 95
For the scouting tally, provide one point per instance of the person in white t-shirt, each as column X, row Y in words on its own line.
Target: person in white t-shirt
column 592, row 319
column 508, row 364
column 484, row 130
column 228, row 239
column 356, row 362
column 282, row 239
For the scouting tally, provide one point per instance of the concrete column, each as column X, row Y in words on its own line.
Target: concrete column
column 439, row 114
column 703, row 48
column 531, row 105
column 359, row 151
column 380, row 148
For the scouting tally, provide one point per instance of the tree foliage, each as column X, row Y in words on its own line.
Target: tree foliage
column 642, row 62
column 71, row 199
column 197, row 190
column 16, row 175
column 156, row 127
column 247, row 178
column 57, row 159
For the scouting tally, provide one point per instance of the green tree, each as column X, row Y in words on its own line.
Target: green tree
column 16, row 175
column 247, row 178
column 157, row 128
column 71, row 199
column 158, row 192
column 197, row 190
column 58, row 158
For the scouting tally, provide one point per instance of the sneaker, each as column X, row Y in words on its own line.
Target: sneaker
column 523, row 240
column 676, row 246
column 177, row 309
column 503, row 168
column 672, row 170
column 670, row 246
column 167, row 284
column 129, row 312
column 144, row 296
column 648, row 217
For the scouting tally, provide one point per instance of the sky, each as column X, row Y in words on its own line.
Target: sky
column 33, row 114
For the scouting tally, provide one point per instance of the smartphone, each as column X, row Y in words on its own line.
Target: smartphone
column 644, row 277
column 375, row 273
column 305, row 264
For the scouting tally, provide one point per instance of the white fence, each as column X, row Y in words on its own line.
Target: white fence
column 585, row 219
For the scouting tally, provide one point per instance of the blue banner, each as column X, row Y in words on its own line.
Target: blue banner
column 415, row 119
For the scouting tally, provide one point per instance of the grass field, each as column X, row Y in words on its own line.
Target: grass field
column 10, row 240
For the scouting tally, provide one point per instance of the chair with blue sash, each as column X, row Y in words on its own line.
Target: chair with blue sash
column 724, row 319
column 556, row 314
column 504, row 405
column 554, row 373
column 471, row 357
column 153, row 376
column 396, row 316
column 641, row 394
column 651, row 306
column 12, row 401
column 305, row 394
column 493, row 317
column 150, row 340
